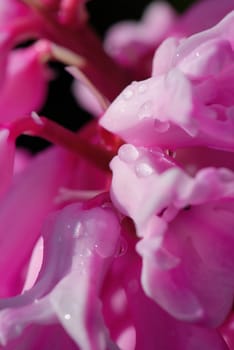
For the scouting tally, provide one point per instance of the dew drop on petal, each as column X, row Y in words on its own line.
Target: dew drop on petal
column 161, row 126
column 142, row 88
column 78, row 230
column 143, row 169
column 67, row 317
column 128, row 153
column 145, row 111
column 127, row 93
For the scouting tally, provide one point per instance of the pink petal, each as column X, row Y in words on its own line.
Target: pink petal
column 189, row 99
column 196, row 246
column 25, row 85
column 136, row 176
column 76, row 256
column 30, row 198
column 7, row 150
column 162, row 330
column 203, row 15
column 129, row 42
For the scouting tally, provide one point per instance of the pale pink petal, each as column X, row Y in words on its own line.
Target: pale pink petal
column 196, row 246
column 189, row 99
column 136, row 176
column 130, row 42
column 78, row 248
column 148, row 113
column 137, row 310
column 86, row 99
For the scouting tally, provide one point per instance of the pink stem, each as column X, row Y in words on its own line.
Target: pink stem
column 55, row 133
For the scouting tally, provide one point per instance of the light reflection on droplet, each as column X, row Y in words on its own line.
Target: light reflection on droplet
column 67, row 317
column 127, row 94
column 145, row 110
column 142, row 88
column 143, row 169
column 128, row 153
column 78, row 229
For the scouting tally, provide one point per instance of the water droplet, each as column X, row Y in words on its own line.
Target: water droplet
column 161, row 126
column 37, row 119
column 128, row 153
column 78, row 229
column 143, row 169
column 127, row 93
column 145, row 111
column 142, row 88
column 122, row 247
column 197, row 54
column 67, row 317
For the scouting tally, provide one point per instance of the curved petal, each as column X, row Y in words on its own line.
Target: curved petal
column 189, row 99
column 78, row 248
column 25, row 86
column 29, row 199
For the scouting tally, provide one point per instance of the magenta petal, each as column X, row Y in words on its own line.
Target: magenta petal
column 38, row 337
column 7, row 150
column 78, row 248
column 162, row 330
column 203, row 15
column 11, row 10
column 25, row 85
column 195, row 246
column 30, row 198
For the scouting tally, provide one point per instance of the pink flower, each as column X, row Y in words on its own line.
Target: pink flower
column 78, row 261
column 75, row 258
column 133, row 44
column 184, row 222
column 107, row 245
column 197, row 71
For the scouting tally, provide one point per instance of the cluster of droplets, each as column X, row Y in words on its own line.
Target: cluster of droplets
column 146, row 109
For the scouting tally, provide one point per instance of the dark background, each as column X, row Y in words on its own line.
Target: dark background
column 60, row 104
